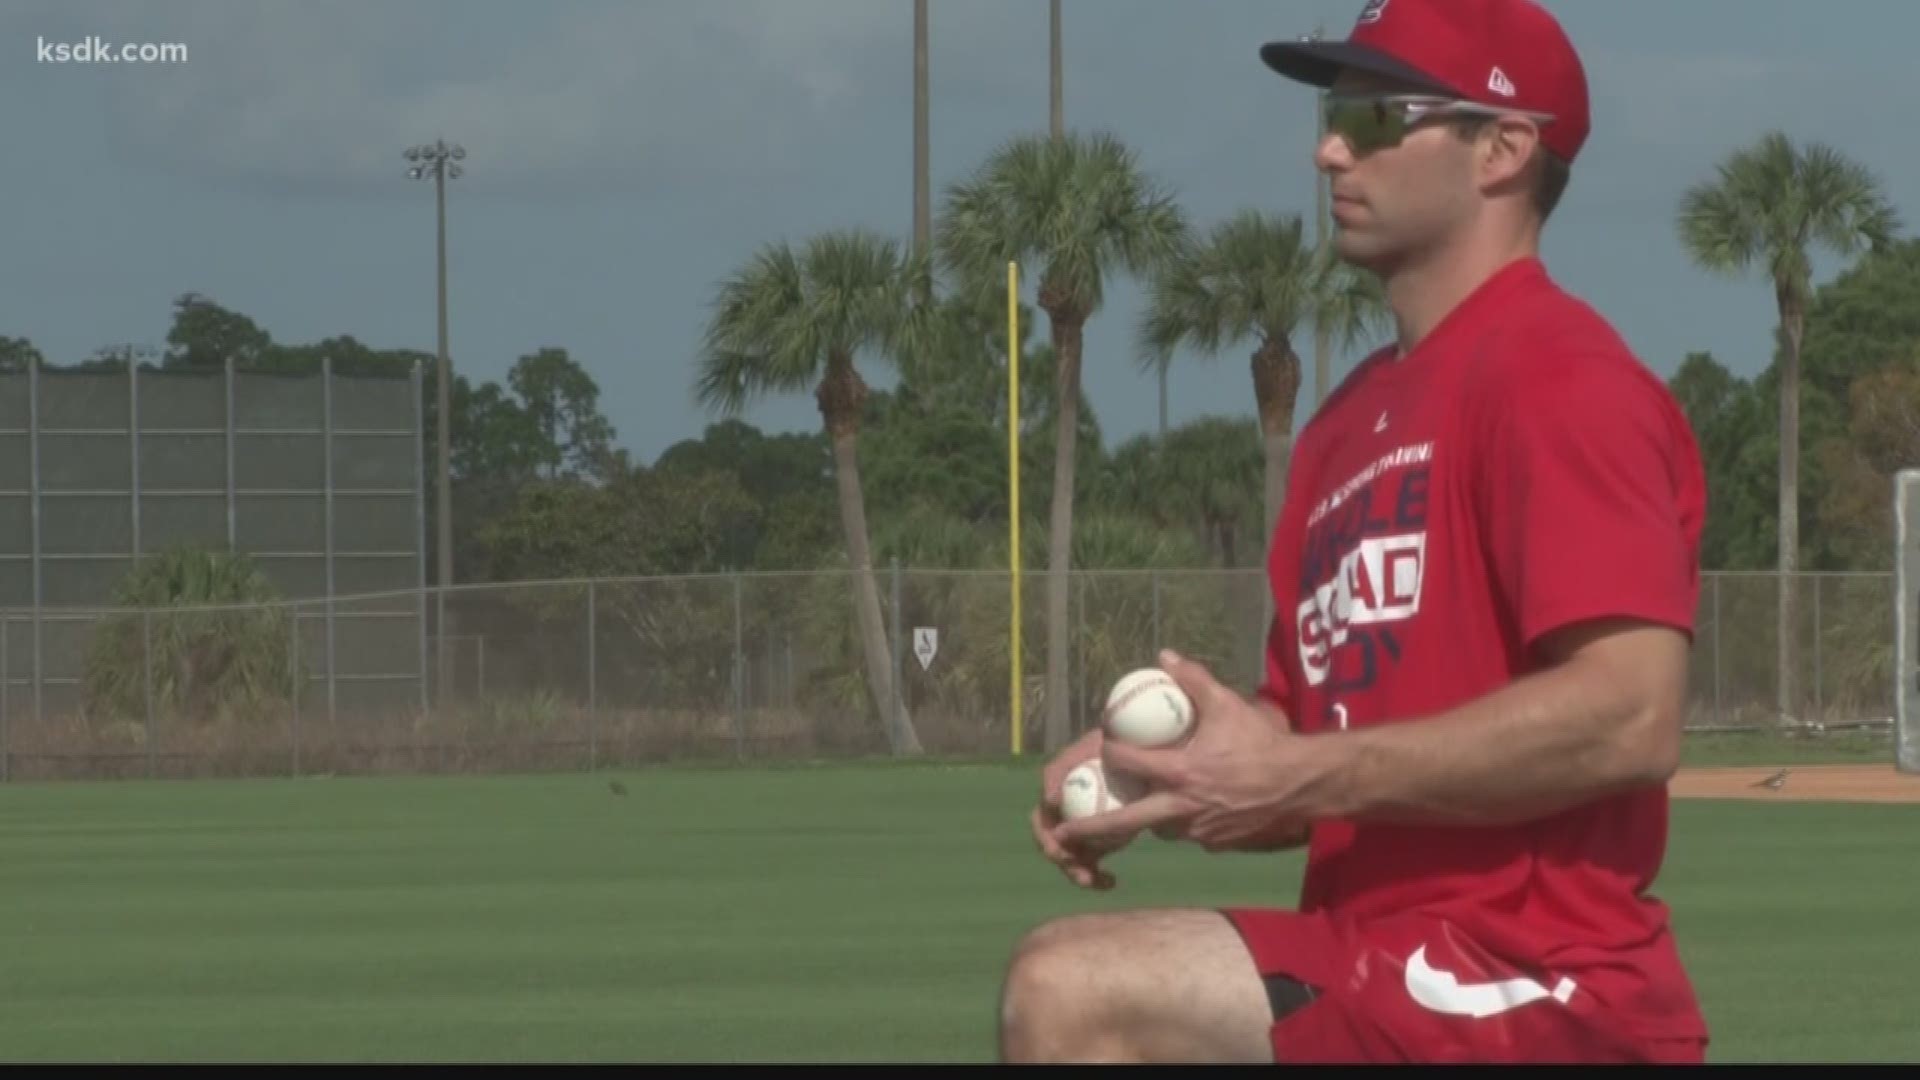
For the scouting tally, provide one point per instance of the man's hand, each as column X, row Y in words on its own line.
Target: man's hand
column 1078, row 860
column 1230, row 786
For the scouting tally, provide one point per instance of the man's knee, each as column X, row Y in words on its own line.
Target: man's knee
column 1052, row 1007
column 1139, row 986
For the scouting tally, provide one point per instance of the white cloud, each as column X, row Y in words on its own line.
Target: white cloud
column 582, row 94
column 579, row 95
column 655, row 95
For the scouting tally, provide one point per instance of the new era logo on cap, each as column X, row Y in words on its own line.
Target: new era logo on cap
column 1510, row 53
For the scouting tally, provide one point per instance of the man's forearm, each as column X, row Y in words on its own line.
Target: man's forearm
column 1544, row 744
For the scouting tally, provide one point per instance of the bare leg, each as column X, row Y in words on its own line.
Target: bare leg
column 1145, row 986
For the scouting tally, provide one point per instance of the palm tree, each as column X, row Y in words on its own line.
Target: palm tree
column 1207, row 475
column 1256, row 277
column 790, row 321
column 1078, row 208
column 207, row 643
column 1769, row 204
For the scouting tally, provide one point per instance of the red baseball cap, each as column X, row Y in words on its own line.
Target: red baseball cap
column 1510, row 54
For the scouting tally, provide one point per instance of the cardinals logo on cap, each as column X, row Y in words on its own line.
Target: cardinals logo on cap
column 1372, row 12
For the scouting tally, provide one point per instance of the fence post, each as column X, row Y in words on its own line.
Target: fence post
column 1156, row 611
column 1081, row 637
column 39, row 575
column 233, row 516
column 326, row 442
column 133, row 450
column 6, row 703
column 1718, row 629
column 420, row 621
column 898, row 704
column 593, row 681
column 146, row 678
column 1819, row 698
column 1906, row 582
column 294, row 677
column 429, row 704
column 739, row 704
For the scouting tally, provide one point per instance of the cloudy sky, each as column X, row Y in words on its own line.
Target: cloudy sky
column 623, row 155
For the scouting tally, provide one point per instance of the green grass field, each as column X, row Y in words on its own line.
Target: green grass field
column 845, row 913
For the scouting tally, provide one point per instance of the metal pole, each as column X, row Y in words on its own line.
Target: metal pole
column 420, row 528
column 1056, row 94
column 440, row 677
column 233, row 516
column 133, row 447
column 899, row 647
column 146, row 675
column 444, row 432
column 6, row 704
column 1819, row 698
column 1163, row 398
column 922, row 196
column 739, row 719
column 437, row 161
column 593, row 680
column 1718, row 718
column 293, row 676
column 1081, row 637
column 326, row 442
column 39, row 584
column 1906, row 584
column 1157, row 639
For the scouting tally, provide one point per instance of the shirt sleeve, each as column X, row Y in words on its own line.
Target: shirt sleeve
column 1594, row 498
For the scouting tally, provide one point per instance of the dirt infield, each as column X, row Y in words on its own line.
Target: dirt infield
column 1803, row 783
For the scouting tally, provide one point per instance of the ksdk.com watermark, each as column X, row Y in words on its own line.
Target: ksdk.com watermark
column 96, row 50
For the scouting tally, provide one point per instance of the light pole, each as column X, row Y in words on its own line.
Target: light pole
column 922, row 192
column 438, row 160
column 1056, row 108
column 1164, row 365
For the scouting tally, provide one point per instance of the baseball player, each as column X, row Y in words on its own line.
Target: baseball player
column 1484, row 579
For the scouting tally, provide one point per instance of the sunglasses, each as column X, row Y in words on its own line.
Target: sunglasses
column 1380, row 121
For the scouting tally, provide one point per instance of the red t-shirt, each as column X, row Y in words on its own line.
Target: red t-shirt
column 1518, row 471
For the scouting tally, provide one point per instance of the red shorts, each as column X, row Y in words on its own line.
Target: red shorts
column 1416, row 989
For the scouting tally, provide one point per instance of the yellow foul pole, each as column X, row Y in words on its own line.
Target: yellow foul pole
column 1013, row 492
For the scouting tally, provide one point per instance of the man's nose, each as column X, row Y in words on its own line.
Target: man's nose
column 1333, row 155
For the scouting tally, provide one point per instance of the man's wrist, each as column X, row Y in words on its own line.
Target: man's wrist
column 1325, row 766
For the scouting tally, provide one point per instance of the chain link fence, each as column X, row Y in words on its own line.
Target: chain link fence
column 577, row 675
column 317, row 477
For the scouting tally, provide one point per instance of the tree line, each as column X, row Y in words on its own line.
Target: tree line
column 917, row 473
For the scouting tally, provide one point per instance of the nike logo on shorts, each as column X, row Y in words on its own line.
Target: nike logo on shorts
column 1442, row 992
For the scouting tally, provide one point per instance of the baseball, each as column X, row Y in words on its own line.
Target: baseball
column 1147, row 708
column 1087, row 791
